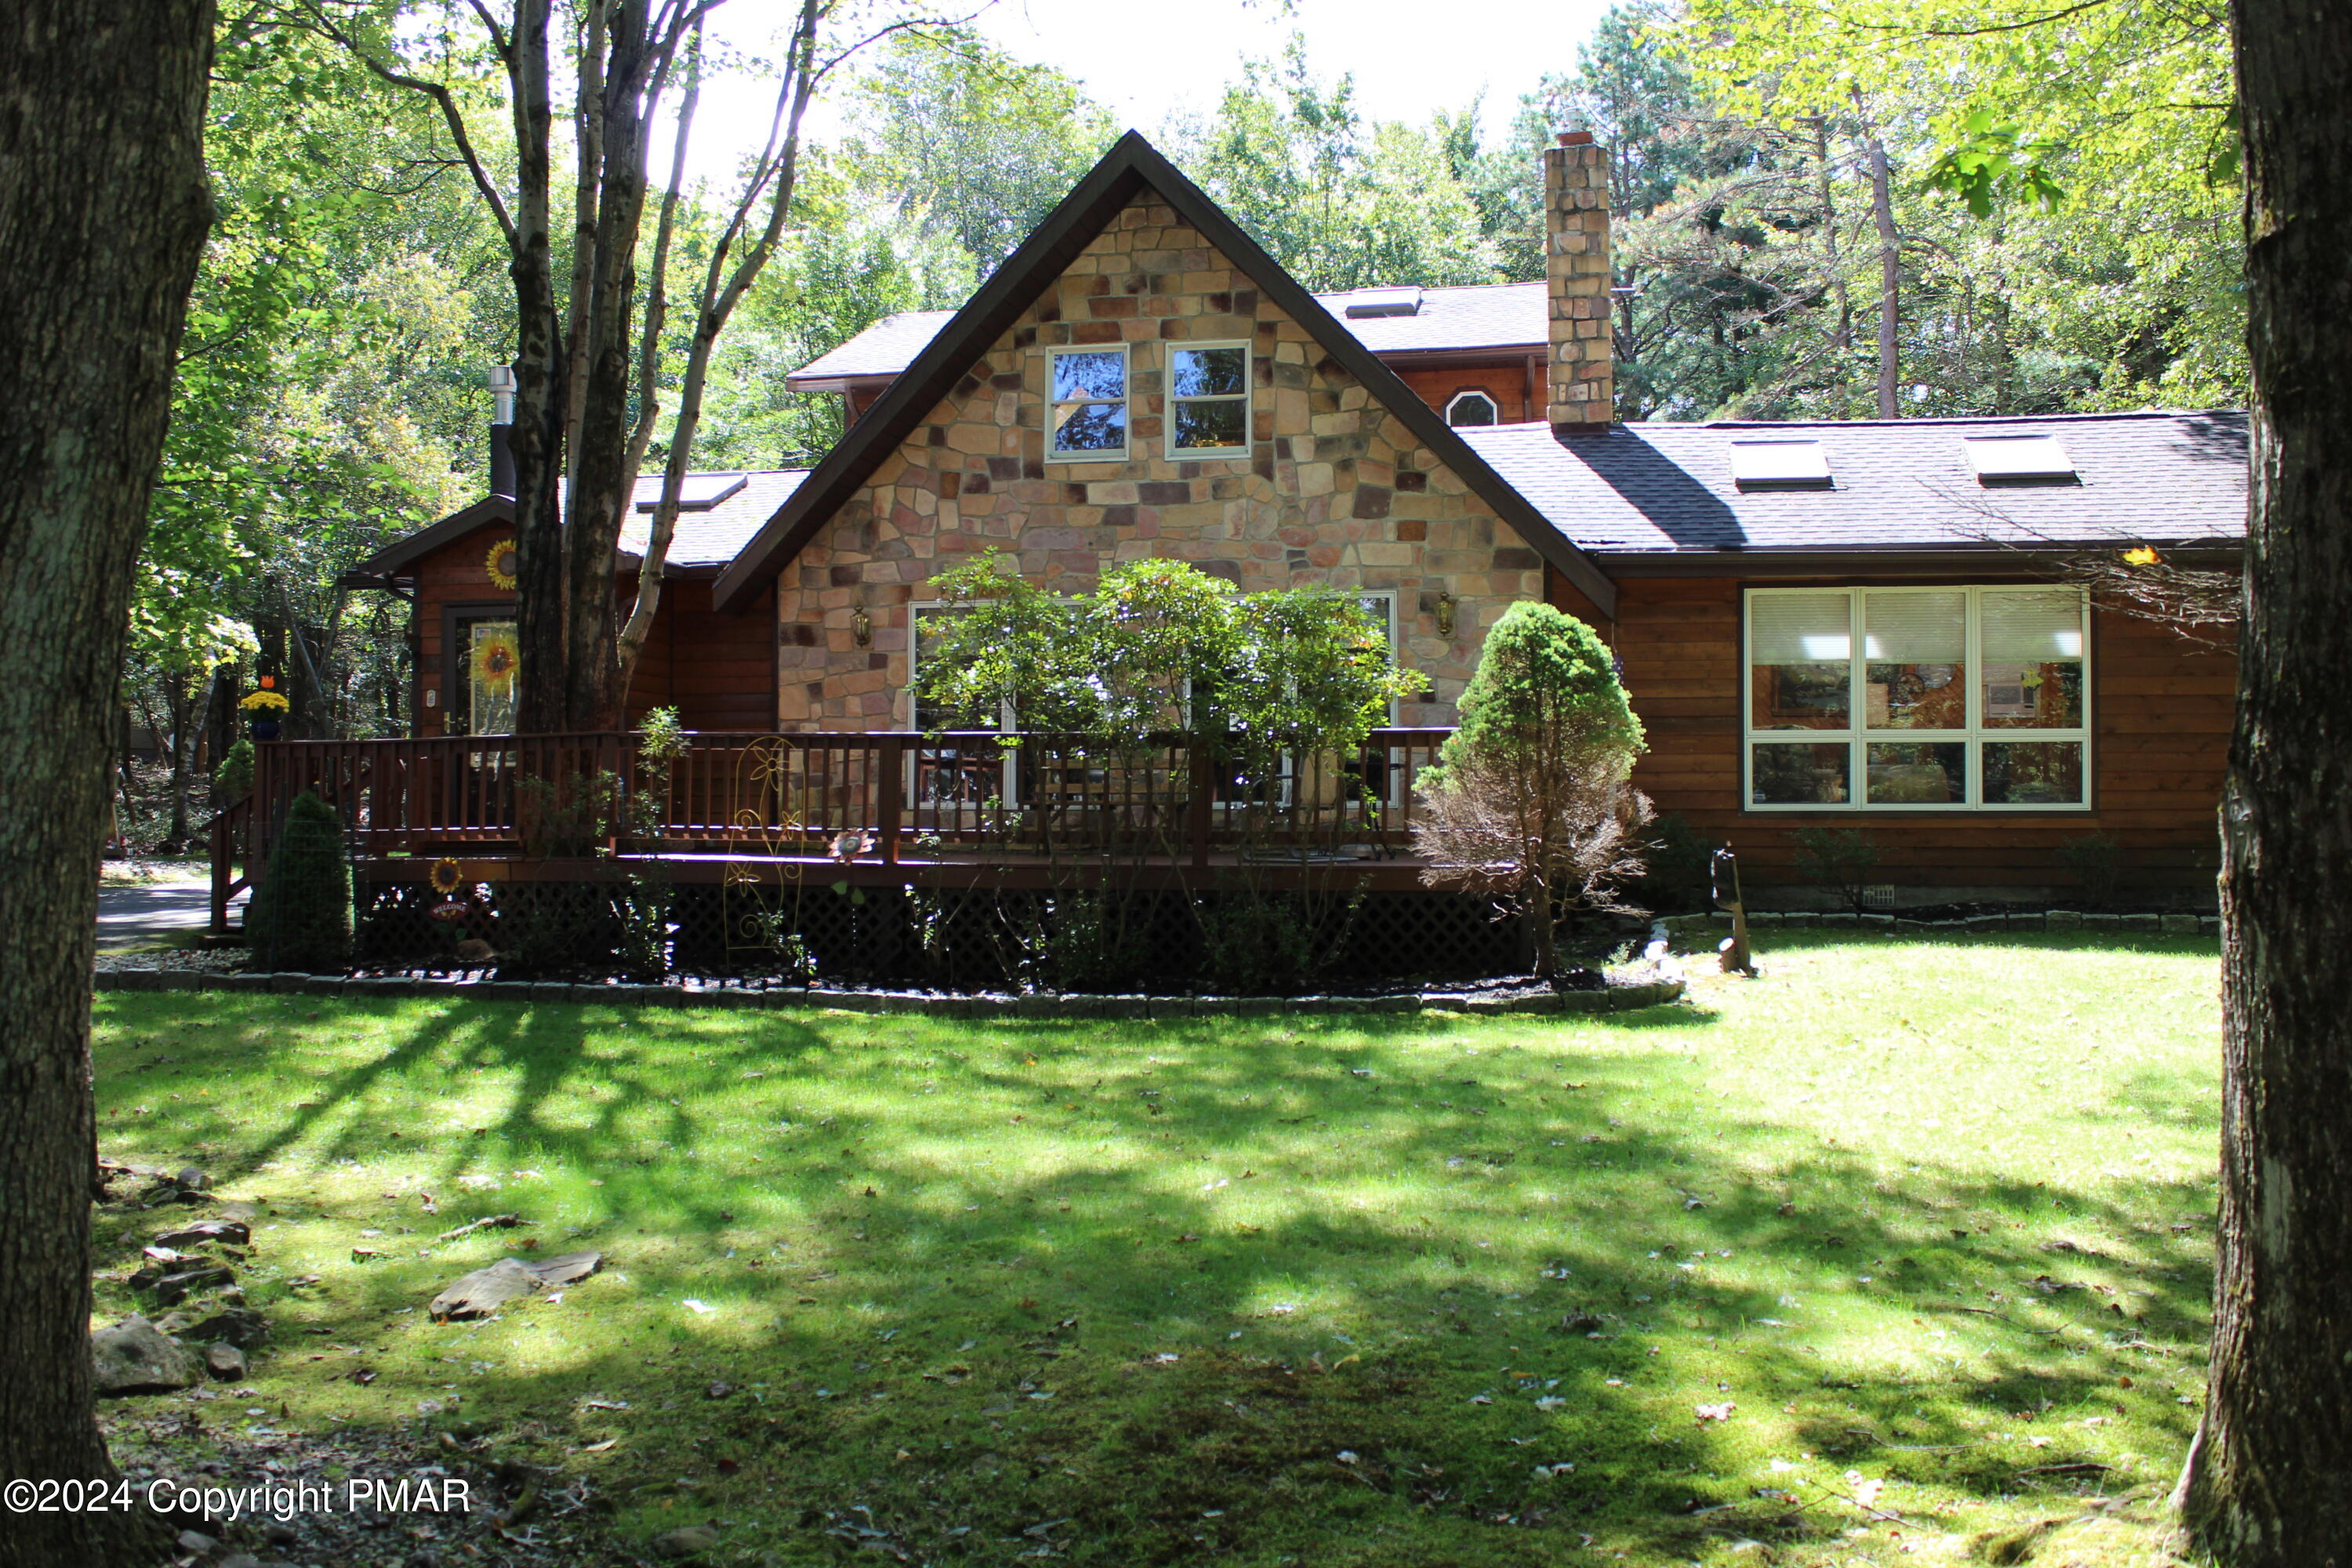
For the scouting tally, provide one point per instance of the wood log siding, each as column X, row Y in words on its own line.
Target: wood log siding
column 718, row 670
column 2160, row 717
column 1505, row 384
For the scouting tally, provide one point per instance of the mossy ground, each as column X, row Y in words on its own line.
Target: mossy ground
column 1931, row 1218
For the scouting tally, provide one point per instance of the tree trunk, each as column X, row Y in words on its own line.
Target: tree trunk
column 541, row 390
column 1890, row 279
column 1543, row 932
column 2269, row 1478
column 103, row 212
column 1842, row 336
column 180, row 704
column 605, row 493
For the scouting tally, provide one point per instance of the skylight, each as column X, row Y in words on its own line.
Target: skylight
column 2019, row 459
column 701, row 491
column 1369, row 303
column 1786, row 465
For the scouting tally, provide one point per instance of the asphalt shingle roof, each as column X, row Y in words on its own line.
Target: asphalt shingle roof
column 1482, row 316
column 886, row 348
column 1479, row 316
column 1896, row 485
column 712, row 538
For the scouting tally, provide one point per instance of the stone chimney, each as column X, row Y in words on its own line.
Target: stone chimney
column 1584, row 382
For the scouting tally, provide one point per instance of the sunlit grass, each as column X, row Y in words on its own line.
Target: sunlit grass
column 1933, row 1213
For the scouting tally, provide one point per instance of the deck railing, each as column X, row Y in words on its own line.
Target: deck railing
column 969, row 797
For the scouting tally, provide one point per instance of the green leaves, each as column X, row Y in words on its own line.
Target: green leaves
column 2225, row 155
column 1158, row 645
column 1340, row 202
column 1995, row 164
column 2093, row 255
column 1545, row 682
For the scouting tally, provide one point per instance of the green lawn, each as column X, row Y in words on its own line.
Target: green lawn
column 1931, row 1218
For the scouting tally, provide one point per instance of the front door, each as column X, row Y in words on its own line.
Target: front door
column 492, row 656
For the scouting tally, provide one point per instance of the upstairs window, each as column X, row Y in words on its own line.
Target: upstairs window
column 1209, row 401
column 1891, row 699
column 1088, row 398
column 1471, row 408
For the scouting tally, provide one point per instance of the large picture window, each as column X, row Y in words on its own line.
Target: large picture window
column 1918, row 699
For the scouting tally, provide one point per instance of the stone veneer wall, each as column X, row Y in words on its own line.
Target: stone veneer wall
column 1337, row 491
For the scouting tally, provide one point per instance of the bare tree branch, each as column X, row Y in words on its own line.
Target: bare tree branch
column 438, row 93
column 2201, row 605
column 657, row 289
column 500, row 45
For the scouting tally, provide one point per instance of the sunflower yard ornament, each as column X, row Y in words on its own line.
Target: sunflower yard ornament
column 503, row 563
column 447, row 878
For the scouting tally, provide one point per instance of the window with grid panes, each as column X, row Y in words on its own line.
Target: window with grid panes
column 1916, row 699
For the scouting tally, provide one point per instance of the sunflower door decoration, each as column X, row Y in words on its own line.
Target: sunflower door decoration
column 492, row 660
column 504, row 563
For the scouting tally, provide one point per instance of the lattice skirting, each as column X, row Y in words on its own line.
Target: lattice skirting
column 958, row 940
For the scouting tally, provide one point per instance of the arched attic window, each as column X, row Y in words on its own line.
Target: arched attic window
column 1471, row 407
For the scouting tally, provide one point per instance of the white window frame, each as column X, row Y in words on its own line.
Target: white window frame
column 1388, row 596
column 1478, row 391
column 1127, row 380
column 1395, row 655
column 1004, row 715
column 1168, row 400
column 1975, row 734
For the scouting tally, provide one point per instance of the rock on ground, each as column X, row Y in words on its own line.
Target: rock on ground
column 232, row 1232
column 692, row 1542
column 134, row 1356
column 237, row 1326
column 485, row 1290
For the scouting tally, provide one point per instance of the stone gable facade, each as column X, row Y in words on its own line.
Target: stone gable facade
column 1336, row 492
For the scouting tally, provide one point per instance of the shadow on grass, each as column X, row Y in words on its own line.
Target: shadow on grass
column 1329, row 1292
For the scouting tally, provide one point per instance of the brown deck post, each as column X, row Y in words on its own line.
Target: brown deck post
column 888, row 763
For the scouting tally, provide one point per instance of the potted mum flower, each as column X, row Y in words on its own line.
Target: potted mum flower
column 265, row 705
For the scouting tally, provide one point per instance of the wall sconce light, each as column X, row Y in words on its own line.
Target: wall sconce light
column 861, row 627
column 1445, row 608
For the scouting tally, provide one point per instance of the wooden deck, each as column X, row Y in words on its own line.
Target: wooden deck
column 963, row 810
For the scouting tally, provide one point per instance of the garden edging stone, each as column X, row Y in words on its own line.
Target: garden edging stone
column 1610, row 999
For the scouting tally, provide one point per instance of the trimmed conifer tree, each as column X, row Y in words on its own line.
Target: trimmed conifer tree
column 300, row 915
column 1530, row 799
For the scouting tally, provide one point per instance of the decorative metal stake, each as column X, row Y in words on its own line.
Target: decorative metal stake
column 1722, row 879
